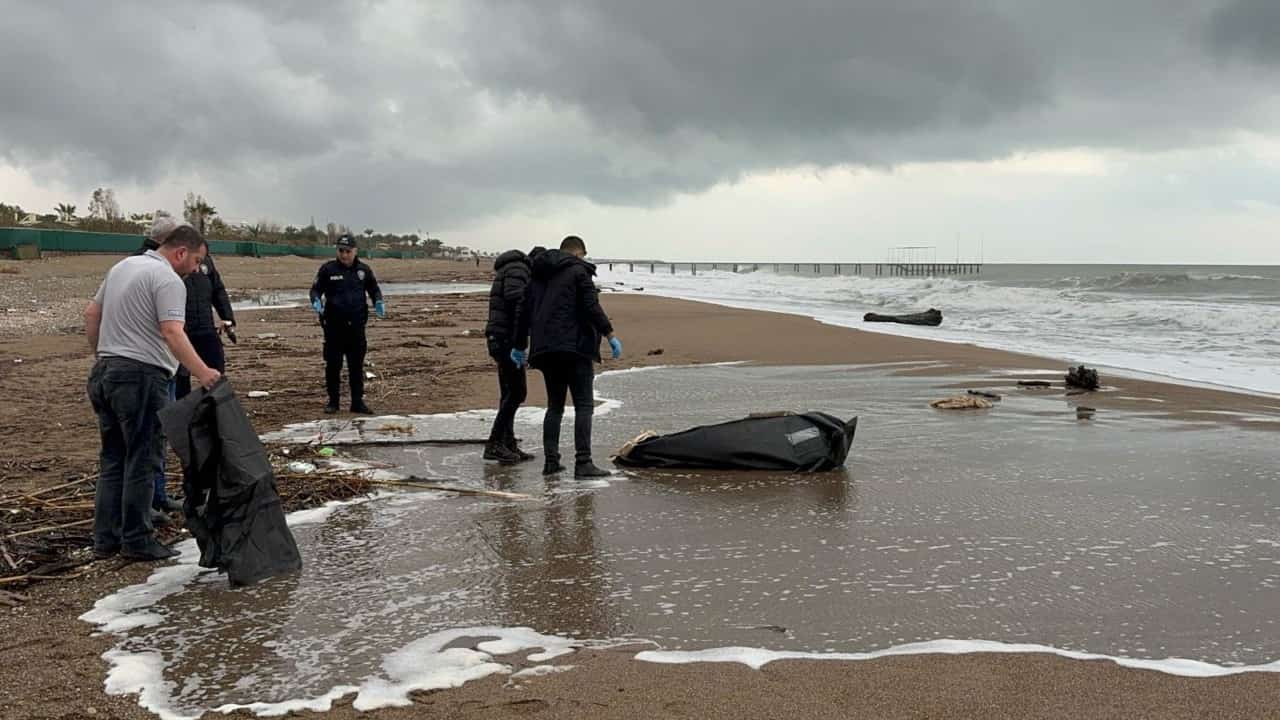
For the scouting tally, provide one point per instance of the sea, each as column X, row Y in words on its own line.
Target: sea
column 1206, row 325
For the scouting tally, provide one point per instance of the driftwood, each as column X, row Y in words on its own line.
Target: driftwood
column 985, row 394
column 404, row 441
column 1035, row 383
column 426, row 484
column 932, row 316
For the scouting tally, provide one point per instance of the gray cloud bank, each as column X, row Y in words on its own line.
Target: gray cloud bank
column 397, row 114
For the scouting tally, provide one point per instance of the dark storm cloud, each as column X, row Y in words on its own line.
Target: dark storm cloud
column 400, row 114
column 1248, row 28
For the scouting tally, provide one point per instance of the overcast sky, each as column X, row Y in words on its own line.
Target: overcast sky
column 1116, row 131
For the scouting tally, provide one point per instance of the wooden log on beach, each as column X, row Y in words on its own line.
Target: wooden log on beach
column 931, row 317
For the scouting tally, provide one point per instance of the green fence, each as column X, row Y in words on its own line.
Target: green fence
column 75, row 241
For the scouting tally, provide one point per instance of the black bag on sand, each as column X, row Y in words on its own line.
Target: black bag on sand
column 806, row 442
column 231, row 504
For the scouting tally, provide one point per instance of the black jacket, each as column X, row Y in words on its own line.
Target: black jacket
column 205, row 293
column 343, row 289
column 231, row 505
column 565, row 316
column 507, row 297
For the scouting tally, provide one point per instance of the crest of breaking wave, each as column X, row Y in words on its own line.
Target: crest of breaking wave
column 1200, row 326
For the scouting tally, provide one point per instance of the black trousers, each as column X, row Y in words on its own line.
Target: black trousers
column 574, row 374
column 512, row 389
column 209, row 347
column 344, row 339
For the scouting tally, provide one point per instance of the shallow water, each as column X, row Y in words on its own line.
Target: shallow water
column 1120, row 535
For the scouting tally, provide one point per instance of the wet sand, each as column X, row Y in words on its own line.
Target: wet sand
column 44, row 634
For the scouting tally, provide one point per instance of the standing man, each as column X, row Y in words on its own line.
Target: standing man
column 565, row 326
column 134, row 325
column 206, row 295
column 337, row 296
column 506, row 305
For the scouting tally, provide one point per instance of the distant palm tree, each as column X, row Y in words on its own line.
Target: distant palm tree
column 66, row 212
column 197, row 211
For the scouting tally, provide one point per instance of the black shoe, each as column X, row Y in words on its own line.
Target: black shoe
column 588, row 469
column 552, row 466
column 159, row 519
column 168, row 505
column 107, row 552
column 514, row 446
column 151, row 551
column 331, row 408
column 500, row 452
column 361, row 408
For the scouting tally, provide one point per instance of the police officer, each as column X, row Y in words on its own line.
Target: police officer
column 337, row 296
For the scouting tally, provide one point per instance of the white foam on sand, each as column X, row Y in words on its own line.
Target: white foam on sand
column 428, row 664
column 757, row 658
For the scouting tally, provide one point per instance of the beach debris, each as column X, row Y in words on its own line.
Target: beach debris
column 326, row 452
column 1082, row 377
column 932, row 317
column 301, row 467
column 17, row 361
column 1085, row 413
column 1035, row 383
column 369, row 376
column 266, row 336
column 422, row 483
column 961, row 402
column 985, row 394
column 258, row 394
column 655, row 351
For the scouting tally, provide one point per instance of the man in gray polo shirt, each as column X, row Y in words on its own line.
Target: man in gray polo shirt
column 135, row 328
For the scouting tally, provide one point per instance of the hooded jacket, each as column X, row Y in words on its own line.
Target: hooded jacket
column 565, row 314
column 507, row 298
column 231, row 506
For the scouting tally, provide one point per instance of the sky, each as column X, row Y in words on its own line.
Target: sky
column 1002, row 130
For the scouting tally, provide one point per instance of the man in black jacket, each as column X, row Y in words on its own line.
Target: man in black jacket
column 337, row 296
column 565, row 325
column 506, row 304
column 205, row 295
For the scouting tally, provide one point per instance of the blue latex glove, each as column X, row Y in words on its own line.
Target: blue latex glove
column 518, row 357
column 381, row 309
column 317, row 305
column 616, row 345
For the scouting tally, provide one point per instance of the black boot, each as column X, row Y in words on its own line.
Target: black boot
column 551, row 465
column 332, row 407
column 358, row 406
column 497, row 451
column 514, row 446
column 151, row 550
column 588, row 469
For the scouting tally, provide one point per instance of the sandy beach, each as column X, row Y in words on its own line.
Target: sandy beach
column 429, row 357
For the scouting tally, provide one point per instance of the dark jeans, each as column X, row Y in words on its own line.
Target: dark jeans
column 161, row 494
column 126, row 395
column 567, row 372
column 344, row 338
column 209, row 347
column 512, row 389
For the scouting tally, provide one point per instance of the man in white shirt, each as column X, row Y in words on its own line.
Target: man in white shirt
column 135, row 328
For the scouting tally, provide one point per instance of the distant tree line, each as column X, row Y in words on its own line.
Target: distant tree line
column 104, row 215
